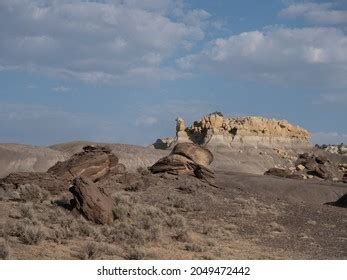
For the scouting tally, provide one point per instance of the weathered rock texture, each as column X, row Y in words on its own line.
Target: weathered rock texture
column 215, row 129
column 91, row 201
column 186, row 158
column 94, row 163
column 46, row 181
column 340, row 149
column 310, row 166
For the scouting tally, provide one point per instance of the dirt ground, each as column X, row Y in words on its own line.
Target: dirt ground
column 240, row 216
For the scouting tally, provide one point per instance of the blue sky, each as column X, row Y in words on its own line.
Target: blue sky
column 122, row 71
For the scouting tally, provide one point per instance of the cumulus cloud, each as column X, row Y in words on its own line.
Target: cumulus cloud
column 97, row 41
column 315, row 57
column 319, row 13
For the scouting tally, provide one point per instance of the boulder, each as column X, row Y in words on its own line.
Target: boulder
column 91, row 201
column 194, row 152
column 300, row 167
column 322, row 172
column 310, row 164
column 94, row 162
column 321, row 159
column 186, row 158
column 173, row 164
column 278, row 172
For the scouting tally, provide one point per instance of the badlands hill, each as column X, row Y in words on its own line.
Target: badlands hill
column 200, row 195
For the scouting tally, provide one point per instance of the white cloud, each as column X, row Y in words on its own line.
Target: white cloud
column 315, row 57
column 320, row 13
column 328, row 138
column 96, row 41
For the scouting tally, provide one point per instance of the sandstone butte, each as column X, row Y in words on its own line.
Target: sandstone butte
column 254, row 131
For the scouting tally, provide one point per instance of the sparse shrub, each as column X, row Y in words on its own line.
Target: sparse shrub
column 32, row 235
column 177, row 202
column 83, row 228
column 32, row 193
column 176, row 221
column 121, row 211
column 179, row 226
column 193, row 247
column 27, row 211
column 135, row 253
column 187, row 189
column 207, row 228
column 128, row 233
column 132, row 188
column 4, row 250
column 90, row 251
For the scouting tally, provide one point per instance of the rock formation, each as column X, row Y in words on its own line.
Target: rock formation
column 94, row 163
column 340, row 149
column 91, row 201
column 181, row 132
column 186, row 158
column 214, row 129
column 46, row 181
column 309, row 166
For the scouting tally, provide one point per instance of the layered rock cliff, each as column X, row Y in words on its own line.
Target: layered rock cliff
column 215, row 129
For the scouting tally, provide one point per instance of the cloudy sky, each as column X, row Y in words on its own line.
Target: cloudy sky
column 122, row 70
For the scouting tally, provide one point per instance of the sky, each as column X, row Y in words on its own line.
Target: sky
column 121, row 71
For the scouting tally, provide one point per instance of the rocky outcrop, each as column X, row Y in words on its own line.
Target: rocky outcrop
column 91, row 201
column 163, row 143
column 199, row 155
column 340, row 149
column 49, row 182
column 186, row 158
column 310, row 166
column 94, row 162
column 214, row 129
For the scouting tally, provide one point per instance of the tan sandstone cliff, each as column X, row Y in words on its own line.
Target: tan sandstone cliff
column 214, row 129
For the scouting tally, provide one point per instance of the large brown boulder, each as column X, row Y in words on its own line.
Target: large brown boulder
column 186, row 158
column 172, row 164
column 194, row 152
column 91, row 201
column 94, row 162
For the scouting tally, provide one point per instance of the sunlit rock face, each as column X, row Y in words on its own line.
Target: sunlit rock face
column 215, row 129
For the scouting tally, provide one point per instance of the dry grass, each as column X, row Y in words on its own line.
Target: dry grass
column 32, row 235
column 91, row 251
column 27, row 211
column 194, row 247
column 33, row 193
